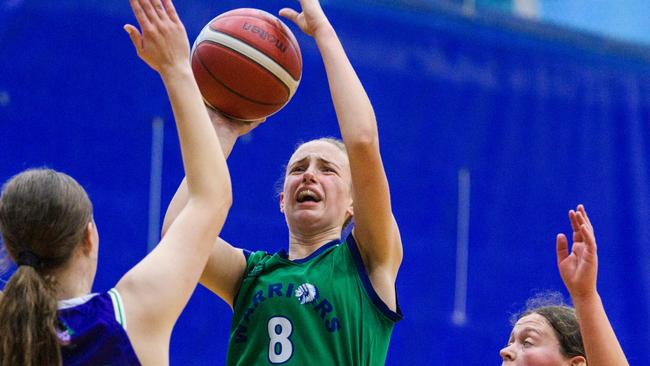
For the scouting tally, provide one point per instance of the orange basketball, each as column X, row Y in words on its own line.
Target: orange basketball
column 247, row 63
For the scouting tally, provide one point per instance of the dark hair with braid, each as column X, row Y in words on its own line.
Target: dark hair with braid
column 44, row 216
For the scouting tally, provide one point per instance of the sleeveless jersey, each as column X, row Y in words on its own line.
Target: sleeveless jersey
column 94, row 331
column 320, row 310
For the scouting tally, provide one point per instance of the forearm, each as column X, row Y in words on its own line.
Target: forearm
column 227, row 139
column 205, row 167
column 601, row 345
column 353, row 108
column 225, row 130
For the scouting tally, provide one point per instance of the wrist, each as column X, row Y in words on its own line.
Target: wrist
column 585, row 298
column 176, row 70
column 324, row 32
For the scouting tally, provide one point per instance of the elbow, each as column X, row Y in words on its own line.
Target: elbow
column 363, row 141
column 223, row 200
column 227, row 201
column 166, row 224
column 218, row 195
column 226, row 195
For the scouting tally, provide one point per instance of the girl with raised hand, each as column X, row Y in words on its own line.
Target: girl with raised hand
column 558, row 335
column 47, row 314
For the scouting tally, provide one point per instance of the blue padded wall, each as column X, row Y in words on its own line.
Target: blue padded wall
column 542, row 119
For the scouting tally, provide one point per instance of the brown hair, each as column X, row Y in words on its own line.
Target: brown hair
column 562, row 319
column 43, row 217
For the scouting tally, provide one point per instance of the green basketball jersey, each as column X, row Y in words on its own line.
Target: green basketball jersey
column 320, row 310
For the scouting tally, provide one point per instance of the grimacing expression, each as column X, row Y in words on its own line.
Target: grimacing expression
column 317, row 187
column 533, row 343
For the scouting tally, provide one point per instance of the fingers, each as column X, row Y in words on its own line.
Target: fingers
column 582, row 220
column 139, row 13
column 160, row 9
column 149, row 12
column 289, row 14
column 171, row 11
column 575, row 226
column 561, row 248
column 588, row 237
column 148, row 9
column 581, row 209
column 134, row 34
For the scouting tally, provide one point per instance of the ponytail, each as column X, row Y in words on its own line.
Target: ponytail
column 28, row 321
column 44, row 216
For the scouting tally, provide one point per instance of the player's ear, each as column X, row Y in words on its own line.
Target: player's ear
column 578, row 361
column 88, row 243
column 282, row 202
column 350, row 210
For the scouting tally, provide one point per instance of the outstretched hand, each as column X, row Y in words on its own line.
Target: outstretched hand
column 163, row 42
column 311, row 20
column 579, row 268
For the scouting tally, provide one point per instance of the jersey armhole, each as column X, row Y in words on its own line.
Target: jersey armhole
column 395, row 316
column 247, row 255
column 118, row 307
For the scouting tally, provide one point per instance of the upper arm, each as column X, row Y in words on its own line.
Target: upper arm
column 175, row 207
column 157, row 289
column 375, row 229
column 224, row 271
column 226, row 264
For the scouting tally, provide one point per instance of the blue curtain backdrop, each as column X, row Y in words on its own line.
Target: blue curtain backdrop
column 542, row 119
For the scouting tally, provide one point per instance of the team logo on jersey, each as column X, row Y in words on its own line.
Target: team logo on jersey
column 64, row 334
column 306, row 293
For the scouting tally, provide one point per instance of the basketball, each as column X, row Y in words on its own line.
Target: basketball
column 247, row 64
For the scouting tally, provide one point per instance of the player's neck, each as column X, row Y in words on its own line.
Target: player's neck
column 74, row 279
column 301, row 245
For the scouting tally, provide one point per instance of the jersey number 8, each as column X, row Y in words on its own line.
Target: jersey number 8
column 280, row 346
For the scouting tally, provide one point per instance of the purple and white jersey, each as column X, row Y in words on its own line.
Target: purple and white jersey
column 95, row 331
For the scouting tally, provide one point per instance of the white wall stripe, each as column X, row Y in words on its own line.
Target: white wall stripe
column 459, row 316
column 155, row 181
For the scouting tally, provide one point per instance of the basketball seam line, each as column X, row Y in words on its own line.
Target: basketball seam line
column 288, row 80
column 283, row 27
column 232, row 90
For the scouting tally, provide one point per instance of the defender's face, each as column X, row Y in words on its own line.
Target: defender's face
column 533, row 343
column 317, row 188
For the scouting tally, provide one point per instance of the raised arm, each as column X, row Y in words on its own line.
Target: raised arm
column 157, row 289
column 226, row 265
column 579, row 270
column 375, row 229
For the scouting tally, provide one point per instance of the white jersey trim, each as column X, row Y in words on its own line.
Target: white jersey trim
column 70, row 303
column 118, row 307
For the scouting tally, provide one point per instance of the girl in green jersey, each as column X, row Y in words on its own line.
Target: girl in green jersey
column 327, row 300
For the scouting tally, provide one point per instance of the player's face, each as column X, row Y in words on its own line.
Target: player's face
column 317, row 188
column 534, row 343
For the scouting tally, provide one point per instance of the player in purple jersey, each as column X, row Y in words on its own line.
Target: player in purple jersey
column 47, row 314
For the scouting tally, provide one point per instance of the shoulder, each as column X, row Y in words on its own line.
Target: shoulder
column 255, row 261
column 100, row 306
